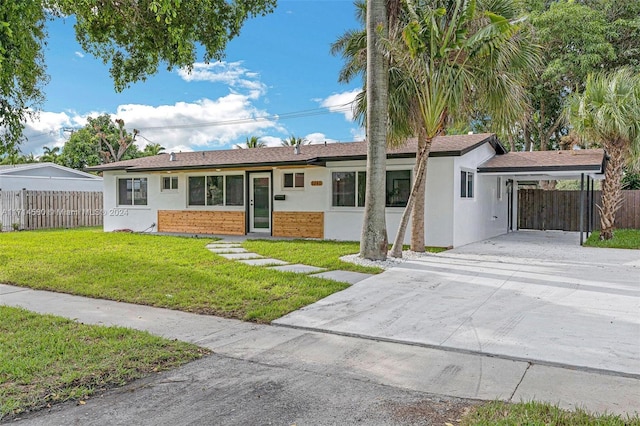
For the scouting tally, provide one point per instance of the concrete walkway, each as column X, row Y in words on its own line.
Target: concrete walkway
column 392, row 365
column 231, row 248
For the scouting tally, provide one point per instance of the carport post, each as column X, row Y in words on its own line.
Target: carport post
column 581, row 207
column 592, row 225
column 588, row 206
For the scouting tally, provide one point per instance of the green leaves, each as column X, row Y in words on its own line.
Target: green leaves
column 22, row 67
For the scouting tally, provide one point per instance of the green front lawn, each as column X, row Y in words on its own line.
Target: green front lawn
column 46, row 359
column 622, row 238
column 171, row 272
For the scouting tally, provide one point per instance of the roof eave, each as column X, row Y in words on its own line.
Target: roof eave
column 538, row 169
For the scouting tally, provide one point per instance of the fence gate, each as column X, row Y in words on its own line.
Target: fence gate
column 560, row 210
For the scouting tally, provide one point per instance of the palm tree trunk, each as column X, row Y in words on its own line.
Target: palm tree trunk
column 421, row 173
column 611, row 189
column 417, row 214
column 373, row 241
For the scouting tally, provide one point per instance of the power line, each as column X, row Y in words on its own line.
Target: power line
column 297, row 114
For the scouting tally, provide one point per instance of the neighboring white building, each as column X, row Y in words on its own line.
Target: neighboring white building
column 314, row 192
column 46, row 177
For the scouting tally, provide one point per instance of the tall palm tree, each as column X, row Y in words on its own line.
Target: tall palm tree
column 607, row 113
column 403, row 113
column 458, row 51
column 251, row 142
column 504, row 55
column 293, row 141
column 373, row 240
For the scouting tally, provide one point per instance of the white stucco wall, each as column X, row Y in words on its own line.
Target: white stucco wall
column 449, row 219
column 345, row 223
column 484, row 215
column 139, row 218
column 309, row 199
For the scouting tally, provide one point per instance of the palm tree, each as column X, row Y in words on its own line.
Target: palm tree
column 607, row 113
column 504, row 54
column 403, row 114
column 293, row 141
column 456, row 53
column 252, row 142
column 373, row 240
column 50, row 155
column 152, row 149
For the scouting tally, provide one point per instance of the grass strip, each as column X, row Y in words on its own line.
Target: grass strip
column 500, row 413
column 164, row 271
column 46, row 359
column 622, row 239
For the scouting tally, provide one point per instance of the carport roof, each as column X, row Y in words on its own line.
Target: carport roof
column 591, row 161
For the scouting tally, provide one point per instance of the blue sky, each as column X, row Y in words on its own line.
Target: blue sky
column 279, row 65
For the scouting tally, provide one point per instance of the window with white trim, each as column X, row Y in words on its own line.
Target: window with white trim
column 293, row 180
column 169, row 183
column 466, row 184
column 499, row 188
column 216, row 190
column 132, row 191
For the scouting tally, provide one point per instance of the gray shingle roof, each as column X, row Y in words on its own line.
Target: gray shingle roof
column 541, row 161
column 309, row 154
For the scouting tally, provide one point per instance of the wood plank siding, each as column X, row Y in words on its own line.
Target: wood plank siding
column 201, row 222
column 298, row 224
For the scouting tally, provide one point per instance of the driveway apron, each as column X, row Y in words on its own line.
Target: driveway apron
column 528, row 295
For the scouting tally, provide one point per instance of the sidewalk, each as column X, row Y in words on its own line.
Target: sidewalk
column 400, row 366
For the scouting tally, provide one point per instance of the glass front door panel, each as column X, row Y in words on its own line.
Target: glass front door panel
column 261, row 202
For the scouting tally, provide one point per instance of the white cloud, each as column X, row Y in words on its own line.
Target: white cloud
column 358, row 134
column 318, row 138
column 341, row 102
column 271, row 140
column 232, row 74
column 184, row 126
column 204, row 124
column 79, row 54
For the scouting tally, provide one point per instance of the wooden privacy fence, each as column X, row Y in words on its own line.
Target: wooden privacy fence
column 560, row 210
column 49, row 209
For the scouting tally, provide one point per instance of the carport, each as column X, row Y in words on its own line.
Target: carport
column 520, row 168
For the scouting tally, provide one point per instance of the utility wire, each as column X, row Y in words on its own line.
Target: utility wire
column 297, row 114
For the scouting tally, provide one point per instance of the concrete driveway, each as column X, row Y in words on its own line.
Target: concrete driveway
column 528, row 295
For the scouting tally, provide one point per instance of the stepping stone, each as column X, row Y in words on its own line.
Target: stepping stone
column 227, row 245
column 238, row 256
column 263, row 262
column 343, row 276
column 229, row 250
column 298, row 267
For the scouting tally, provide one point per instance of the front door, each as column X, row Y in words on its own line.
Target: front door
column 260, row 202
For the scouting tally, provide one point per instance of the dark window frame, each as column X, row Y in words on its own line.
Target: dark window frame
column 467, row 184
column 209, row 197
column 143, row 189
column 173, row 183
column 359, row 188
column 293, row 183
